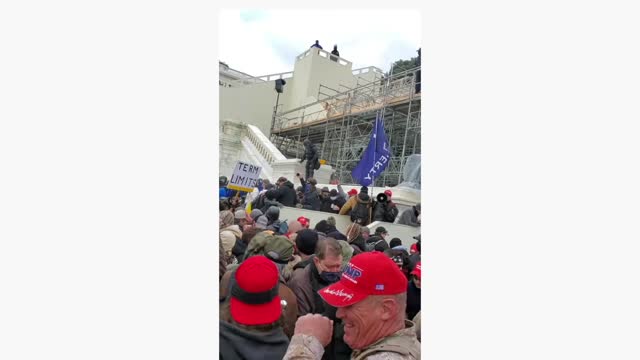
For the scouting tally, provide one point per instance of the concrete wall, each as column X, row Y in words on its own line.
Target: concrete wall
column 312, row 68
column 252, row 104
column 368, row 75
column 297, row 91
column 229, row 146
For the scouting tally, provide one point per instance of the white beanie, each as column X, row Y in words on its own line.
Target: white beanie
column 228, row 240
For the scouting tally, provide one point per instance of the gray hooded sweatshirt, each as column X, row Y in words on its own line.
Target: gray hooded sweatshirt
column 240, row 344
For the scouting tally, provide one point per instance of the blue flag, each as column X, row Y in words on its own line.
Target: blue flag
column 376, row 157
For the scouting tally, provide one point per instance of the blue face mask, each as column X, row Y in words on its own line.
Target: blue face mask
column 330, row 277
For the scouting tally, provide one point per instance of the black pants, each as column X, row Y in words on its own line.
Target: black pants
column 309, row 169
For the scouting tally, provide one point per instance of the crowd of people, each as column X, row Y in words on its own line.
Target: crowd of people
column 303, row 290
column 359, row 205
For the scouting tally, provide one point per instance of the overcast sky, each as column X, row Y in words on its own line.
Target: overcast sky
column 262, row 42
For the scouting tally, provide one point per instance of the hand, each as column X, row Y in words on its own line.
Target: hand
column 317, row 326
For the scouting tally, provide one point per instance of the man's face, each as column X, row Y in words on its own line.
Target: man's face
column 361, row 323
column 329, row 263
column 416, row 281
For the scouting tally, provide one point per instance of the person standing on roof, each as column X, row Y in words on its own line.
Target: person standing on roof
column 316, row 45
column 312, row 157
column 336, row 53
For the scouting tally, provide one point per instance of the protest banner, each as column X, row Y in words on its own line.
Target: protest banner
column 244, row 177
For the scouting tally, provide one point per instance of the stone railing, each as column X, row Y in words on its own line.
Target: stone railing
column 325, row 54
column 367, row 69
column 262, row 144
column 247, row 143
column 261, row 79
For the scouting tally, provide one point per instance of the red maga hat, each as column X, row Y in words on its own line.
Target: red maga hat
column 254, row 293
column 417, row 271
column 370, row 273
column 303, row 221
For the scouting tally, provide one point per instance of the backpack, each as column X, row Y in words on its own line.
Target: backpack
column 372, row 245
column 280, row 227
column 283, row 228
column 360, row 214
column 258, row 203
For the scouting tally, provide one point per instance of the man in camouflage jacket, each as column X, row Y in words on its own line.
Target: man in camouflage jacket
column 371, row 301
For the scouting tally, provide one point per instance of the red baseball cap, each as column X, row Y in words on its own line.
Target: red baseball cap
column 417, row 271
column 254, row 293
column 352, row 192
column 388, row 193
column 303, row 221
column 370, row 273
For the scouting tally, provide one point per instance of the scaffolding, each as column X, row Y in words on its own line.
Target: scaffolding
column 341, row 121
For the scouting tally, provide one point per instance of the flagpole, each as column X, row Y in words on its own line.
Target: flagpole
column 375, row 147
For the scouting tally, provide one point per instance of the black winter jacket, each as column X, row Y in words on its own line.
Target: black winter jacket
column 312, row 201
column 385, row 212
column 286, row 194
